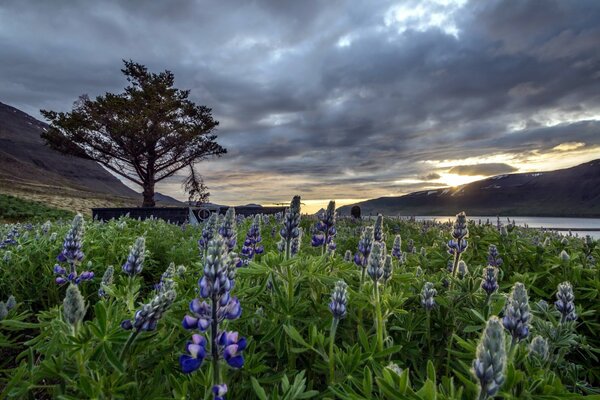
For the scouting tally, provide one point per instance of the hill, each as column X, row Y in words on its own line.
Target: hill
column 571, row 192
column 29, row 169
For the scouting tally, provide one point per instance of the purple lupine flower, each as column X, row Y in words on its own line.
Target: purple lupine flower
column 410, row 247
column 218, row 305
column 219, row 391
column 494, row 259
column 458, row 243
column 364, row 247
column 252, row 244
column 296, row 243
column 208, row 232
column 228, row 230
column 339, row 300
column 195, row 353
column 565, row 302
column 489, row 365
column 490, row 280
column 291, row 224
column 428, row 294
column 135, row 260
column 517, row 314
column 397, row 248
column 72, row 255
column 11, row 237
column 232, row 345
column 376, row 261
column 147, row 317
column 378, row 229
column 325, row 230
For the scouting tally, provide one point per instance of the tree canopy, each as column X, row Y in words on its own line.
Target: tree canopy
column 145, row 134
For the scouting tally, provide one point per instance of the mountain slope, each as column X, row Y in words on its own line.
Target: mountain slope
column 568, row 192
column 25, row 160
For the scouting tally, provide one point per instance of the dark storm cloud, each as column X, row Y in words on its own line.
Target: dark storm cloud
column 482, row 169
column 354, row 95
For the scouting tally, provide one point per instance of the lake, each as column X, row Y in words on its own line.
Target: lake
column 579, row 226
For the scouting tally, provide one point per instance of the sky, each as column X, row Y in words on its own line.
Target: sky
column 333, row 99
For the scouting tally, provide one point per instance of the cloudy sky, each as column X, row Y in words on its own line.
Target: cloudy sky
column 334, row 99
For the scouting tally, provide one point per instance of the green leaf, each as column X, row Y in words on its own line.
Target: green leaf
column 260, row 392
column 113, row 359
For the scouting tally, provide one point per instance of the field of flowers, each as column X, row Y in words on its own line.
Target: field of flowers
column 297, row 307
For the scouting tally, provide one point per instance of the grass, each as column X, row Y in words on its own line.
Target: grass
column 15, row 209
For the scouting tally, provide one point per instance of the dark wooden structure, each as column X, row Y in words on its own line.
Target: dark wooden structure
column 355, row 211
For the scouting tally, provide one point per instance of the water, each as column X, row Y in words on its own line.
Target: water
column 579, row 226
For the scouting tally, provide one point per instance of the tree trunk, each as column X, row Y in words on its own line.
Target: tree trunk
column 148, row 195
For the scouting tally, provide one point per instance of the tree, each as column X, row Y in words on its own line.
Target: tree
column 145, row 134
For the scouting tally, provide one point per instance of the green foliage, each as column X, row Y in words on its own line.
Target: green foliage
column 15, row 209
column 286, row 319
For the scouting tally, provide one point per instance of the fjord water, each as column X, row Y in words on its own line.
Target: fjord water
column 578, row 226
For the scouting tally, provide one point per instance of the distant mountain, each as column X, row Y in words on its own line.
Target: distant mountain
column 163, row 198
column 26, row 161
column 571, row 192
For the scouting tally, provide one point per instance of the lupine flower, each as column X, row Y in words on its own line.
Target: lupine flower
column 73, row 305
column 107, row 279
column 517, row 314
column 7, row 256
column 410, row 247
column 252, row 244
column 395, row 368
column 195, row 352
column 339, row 300
column 325, row 230
column 3, row 310
column 232, row 345
column 215, row 286
column 296, row 242
column 458, row 243
column 166, row 282
column 208, row 232
column 228, row 229
column 147, row 317
column 490, row 280
column 135, row 260
column 494, row 259
column 72, row 255
column 46, row 227
column 564, row 256
column 490, row 362
column 428, row 294
column 11, row 302
column 331, row 248
column 348, row 256
column 291, row 223
column 539, row 349
column 378, row 229
column 388, row 268
column 462, row 269
column 418, row 271
column 364, row 247
column 397, row 248
column 376, row 261
column 565, row 302
column 219, row 391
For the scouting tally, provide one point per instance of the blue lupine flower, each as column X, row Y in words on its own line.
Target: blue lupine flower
column 72, row 255
column 325, row 230
column 517, row 314
column 252, row 244
column 195, row 353
column 291, row 223
column 428, row 294
column 107, row 279
column 215, row 285
column 376, row 261
column 364, row 247
column 296, row 243
column 410, row 247
column 135, row 259
column 490, row 363
column 565, row 302
column 339, row 300
column 490, row 280
column 228, row 229
column 397, row 248
column 147, row 317
column 458, row 243
column 208, row 232
column 378, row 229
column 219, row 391
column 388, row 268
column 232, row 345
column 494, row 259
